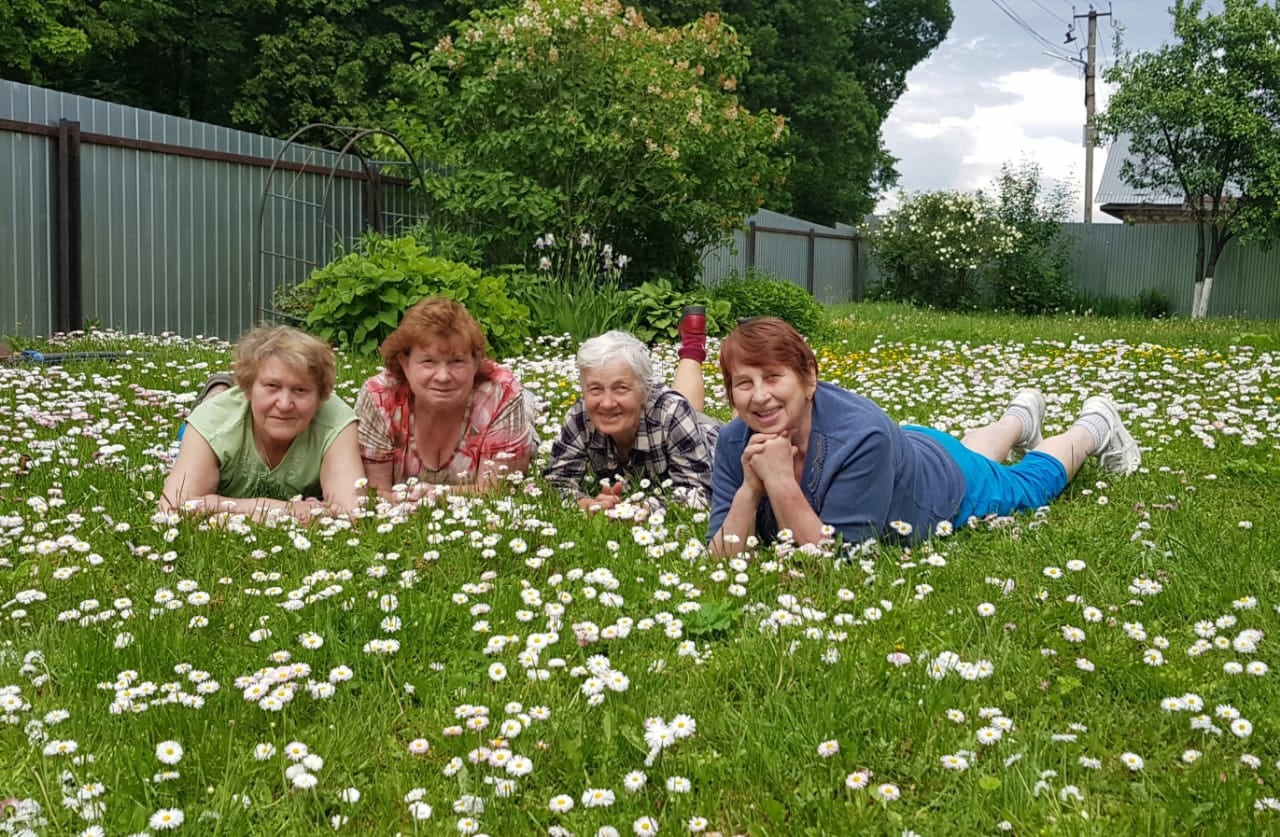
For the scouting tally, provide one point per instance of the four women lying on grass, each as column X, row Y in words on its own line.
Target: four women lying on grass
column 803, row 456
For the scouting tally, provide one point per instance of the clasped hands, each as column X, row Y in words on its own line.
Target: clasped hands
column 768, row 460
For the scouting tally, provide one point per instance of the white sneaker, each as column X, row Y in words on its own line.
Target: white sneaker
column 1119, row 453
column 1031, row 400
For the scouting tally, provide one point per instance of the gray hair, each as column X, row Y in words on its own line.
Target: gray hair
column 618, row 345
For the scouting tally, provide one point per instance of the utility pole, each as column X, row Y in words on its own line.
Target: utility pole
column 1090, row 105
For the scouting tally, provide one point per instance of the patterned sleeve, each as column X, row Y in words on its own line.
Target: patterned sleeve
column 568, row 464
column 374, row 432
column 689, row 459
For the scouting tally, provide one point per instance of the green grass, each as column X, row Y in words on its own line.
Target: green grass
column 771, row 658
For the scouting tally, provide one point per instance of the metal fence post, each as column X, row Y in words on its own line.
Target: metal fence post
column 751, row 245
column 68, row 286
column 809, row 259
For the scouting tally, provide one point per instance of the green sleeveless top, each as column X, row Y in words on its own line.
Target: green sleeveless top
column 226, row 423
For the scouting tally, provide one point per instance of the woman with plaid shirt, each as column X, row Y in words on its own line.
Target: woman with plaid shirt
column 627, row 424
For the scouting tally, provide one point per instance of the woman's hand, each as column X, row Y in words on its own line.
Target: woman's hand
column 606, row 499
column 769, row 460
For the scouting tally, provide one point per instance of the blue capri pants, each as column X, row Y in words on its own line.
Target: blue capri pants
column 994, row 488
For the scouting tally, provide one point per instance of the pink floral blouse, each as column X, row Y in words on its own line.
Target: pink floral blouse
column 498, row 426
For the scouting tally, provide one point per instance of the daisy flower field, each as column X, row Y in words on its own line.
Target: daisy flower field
column 506, row 665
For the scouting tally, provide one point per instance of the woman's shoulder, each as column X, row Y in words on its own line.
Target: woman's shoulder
column 224, row 410
column 839, row 412
column 334, row 411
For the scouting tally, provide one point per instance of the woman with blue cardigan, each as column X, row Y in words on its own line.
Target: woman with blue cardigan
column 819, row 461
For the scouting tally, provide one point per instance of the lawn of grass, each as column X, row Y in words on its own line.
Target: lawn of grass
column 507, row 666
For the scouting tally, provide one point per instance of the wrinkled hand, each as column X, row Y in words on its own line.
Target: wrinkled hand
column 770, row 457
column 606, row 499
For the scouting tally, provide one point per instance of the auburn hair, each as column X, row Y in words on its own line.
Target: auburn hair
column 766, row 341
column 435, row 320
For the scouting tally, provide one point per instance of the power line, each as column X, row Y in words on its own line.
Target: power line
column 1051, row 14
column 1026, row 27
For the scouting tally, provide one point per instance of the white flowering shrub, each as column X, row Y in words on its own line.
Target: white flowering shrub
column 932, row 249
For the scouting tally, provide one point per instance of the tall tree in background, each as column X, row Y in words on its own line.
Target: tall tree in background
column 834, row 68
column 263, row 65
column 1203, row 122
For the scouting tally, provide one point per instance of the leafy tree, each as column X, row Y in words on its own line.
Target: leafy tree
column 331, row 62
column 1033, row 277
column 577, row 117
column 834, row 68
column 1203, row 122
column 268, row 66
column 51, row 41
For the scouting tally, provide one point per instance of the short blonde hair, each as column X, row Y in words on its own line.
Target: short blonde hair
column 299, row 350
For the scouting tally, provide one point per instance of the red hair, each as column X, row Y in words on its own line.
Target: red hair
column 766, row 341
column 435, row 320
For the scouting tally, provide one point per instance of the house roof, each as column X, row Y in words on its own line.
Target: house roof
column 1119, row 199
column 1113, row 190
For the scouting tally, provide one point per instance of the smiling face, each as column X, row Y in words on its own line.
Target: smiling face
column 440, row 376
column 283, row 401
column 774, row 398
column 614, row 399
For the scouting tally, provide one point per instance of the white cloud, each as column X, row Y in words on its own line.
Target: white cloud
column 1035, row 114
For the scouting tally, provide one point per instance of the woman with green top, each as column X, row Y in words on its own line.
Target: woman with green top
column 276, row 443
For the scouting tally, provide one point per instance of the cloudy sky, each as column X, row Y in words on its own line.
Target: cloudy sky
column 989, row 94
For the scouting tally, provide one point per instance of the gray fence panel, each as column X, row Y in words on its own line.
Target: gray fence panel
column 783, row 249
column 26, row 191
column 719, row 263
column 785, row 256
column 834, row 271
column 1122, row 260
column 169, row 242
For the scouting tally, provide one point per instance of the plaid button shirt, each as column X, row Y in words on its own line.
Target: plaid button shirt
column 671, row 443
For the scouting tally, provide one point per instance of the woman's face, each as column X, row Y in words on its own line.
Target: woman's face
column 283, row 400
column 439, row 376
column 614, row 400
column 774, row 398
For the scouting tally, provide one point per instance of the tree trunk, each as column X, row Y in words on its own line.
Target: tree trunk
column 1218, row 239
column 1200, row 304
column 1202, row 270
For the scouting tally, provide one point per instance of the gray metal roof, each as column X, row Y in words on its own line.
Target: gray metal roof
column 1113, row 190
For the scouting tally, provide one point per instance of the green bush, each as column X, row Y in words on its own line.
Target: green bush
column 1033, row 277
column 559, row 306
column 360, row 297
column 1153, row 304
column 584, row 117
column 656, row 308
column 292, row 302
column 761, row 295
column 573, row 285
